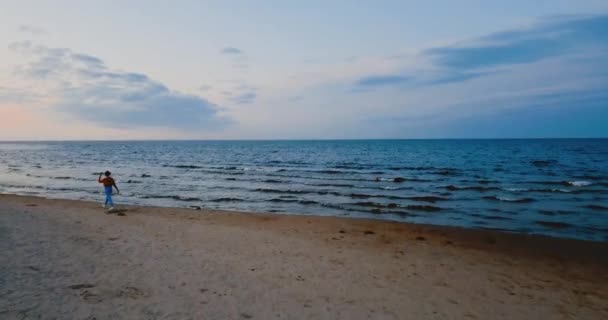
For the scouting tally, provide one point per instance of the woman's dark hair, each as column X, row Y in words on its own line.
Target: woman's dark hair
column 108, row 173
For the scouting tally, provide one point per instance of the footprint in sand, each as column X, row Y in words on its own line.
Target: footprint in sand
column 131, row 292
column 81, row 286
column 91, row 297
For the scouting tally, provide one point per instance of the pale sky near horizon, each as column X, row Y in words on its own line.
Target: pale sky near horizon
column 303, row 69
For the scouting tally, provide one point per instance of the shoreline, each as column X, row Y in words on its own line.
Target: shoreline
column 185, row 263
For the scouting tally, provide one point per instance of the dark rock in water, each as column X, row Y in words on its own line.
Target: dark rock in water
column 195, row 207
column 399, row 180
column 230, row 179
column 146, row 175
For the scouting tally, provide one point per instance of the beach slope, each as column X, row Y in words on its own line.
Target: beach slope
column 70, row 260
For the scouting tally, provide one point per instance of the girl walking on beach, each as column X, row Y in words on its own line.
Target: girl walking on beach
column 108, row 183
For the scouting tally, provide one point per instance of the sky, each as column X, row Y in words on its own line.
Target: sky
column 110, row 70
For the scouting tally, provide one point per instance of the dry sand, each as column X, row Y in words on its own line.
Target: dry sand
column 69, row 260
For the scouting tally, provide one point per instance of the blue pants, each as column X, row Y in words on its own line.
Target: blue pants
column 109, row 196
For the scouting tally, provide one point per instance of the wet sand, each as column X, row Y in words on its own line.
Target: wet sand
column 70, row 260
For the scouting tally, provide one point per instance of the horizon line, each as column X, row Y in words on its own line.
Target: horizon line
column 296, row 139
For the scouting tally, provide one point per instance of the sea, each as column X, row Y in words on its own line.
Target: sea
column 554, row 187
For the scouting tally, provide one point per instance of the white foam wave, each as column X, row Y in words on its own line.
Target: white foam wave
column 579, row 183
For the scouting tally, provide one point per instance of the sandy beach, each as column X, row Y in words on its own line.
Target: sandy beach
column 64, row 259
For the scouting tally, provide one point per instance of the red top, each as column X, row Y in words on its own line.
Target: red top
column 107, row 181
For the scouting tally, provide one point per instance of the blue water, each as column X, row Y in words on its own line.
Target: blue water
column 551, row 187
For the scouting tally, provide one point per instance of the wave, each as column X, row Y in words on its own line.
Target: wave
column 543, row 163
column 592, row 177
column 182, row 166
column 553, row 224
column 579, row 183
column 414, row 168
column 431, row 199
column 552, row 213
column 424, row 208
column 222, row 172
column 265, row 190
column 446, row 173
column 226, row 200
column 472, row 188
column 177, row 198
column 477, row 215
column 304, row 202
column 596, row 207
column 506, row 199
column 377, row 205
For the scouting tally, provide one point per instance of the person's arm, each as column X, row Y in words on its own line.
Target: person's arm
column 114, row 184
column 99, row 179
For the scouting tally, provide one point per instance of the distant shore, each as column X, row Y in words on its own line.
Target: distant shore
column 70, row 259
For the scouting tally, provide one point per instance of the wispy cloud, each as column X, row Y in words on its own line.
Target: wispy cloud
column 476, row 58
column 232, row 50
column 382, row 80
column 88, row 89
column 33, row 30
column 241, row 94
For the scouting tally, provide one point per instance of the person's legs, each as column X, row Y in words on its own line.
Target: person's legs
column 109, row 196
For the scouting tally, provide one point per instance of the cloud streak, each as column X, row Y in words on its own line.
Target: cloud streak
column 33, row 30
column 497, row 52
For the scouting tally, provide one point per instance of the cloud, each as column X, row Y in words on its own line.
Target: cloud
column 548, row 38
column 31, row 30
column 231, row 50
column 17, row 95
column 88, row 89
